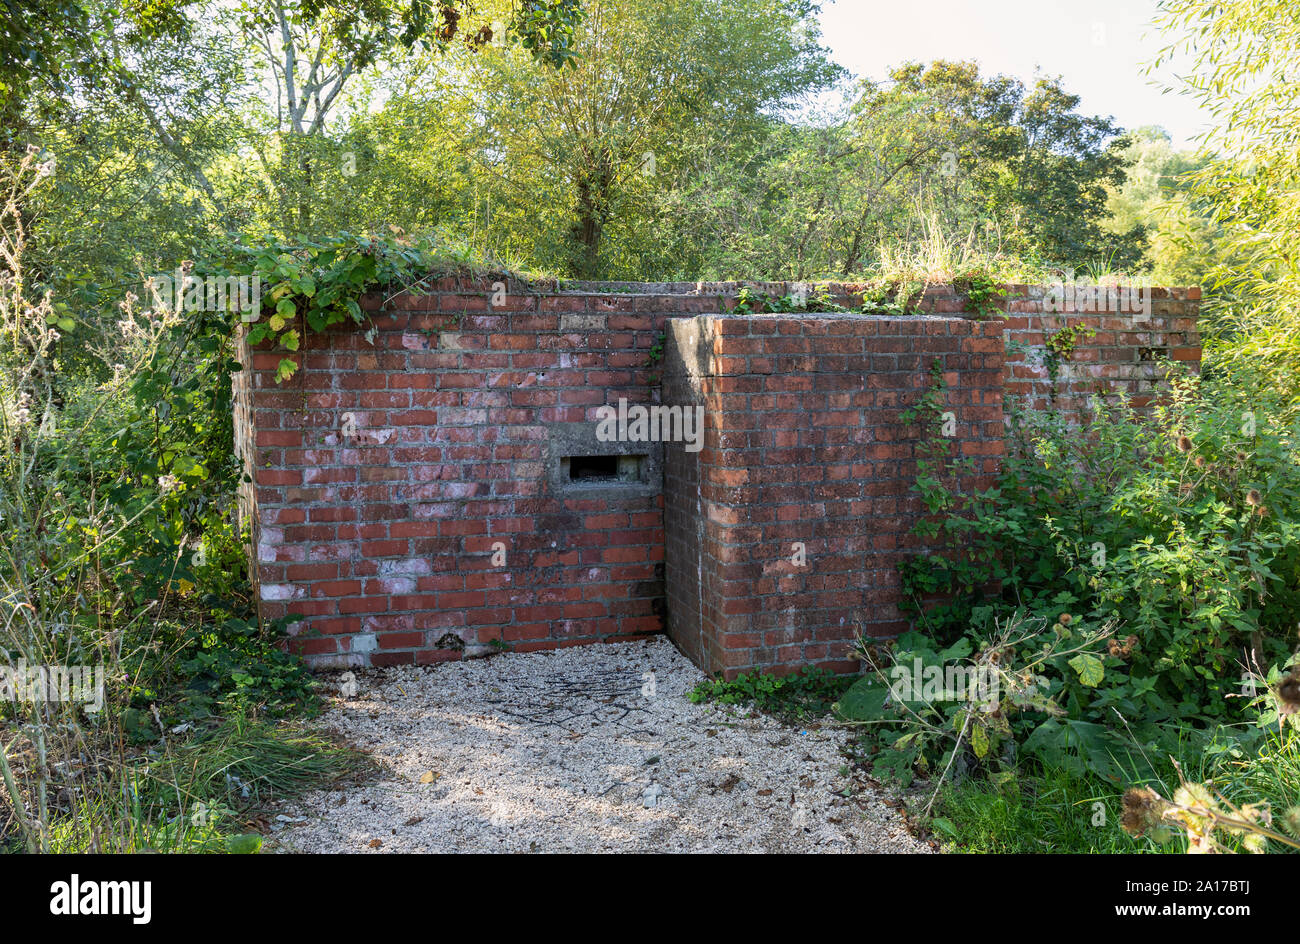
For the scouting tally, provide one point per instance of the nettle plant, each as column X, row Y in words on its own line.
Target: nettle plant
column 817, row 299
column 1183, row 524
column 983, row 294
column 947, row 711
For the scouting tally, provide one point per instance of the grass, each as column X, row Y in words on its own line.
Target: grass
column 259, row 761
column 1055, row 811
column 205, row 794
column 1272, row 776
column 1049, row 811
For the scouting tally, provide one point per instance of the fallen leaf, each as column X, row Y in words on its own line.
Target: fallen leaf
column 375, row 843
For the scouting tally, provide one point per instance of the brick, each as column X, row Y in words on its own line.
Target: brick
column 394, row 533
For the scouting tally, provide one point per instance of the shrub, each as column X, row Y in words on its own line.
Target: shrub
column 1182, row 525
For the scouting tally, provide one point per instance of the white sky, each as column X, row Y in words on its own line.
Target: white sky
column 1099, row 47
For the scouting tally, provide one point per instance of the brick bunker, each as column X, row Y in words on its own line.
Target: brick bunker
column 448, row 489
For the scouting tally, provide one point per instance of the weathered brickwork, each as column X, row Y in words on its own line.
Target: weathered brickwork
column 785, row 531
column 408, row 499
column 439, row 489
column 1117, row 337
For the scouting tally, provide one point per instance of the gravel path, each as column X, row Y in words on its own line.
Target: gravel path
column 588, row 749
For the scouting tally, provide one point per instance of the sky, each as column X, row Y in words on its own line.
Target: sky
column 1098, row 47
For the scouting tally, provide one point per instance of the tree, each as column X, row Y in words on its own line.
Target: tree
column 935, row 157
column 37, row 39
column 1237, row 59
column 1063, row 167
column 1156, row 195
column 311, row 49
column 595, row 148
column 132, row 133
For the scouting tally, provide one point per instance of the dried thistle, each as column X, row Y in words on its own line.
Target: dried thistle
column 1288, row 692
column 1143, row 809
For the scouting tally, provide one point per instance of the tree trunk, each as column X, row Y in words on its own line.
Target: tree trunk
column 593, row 214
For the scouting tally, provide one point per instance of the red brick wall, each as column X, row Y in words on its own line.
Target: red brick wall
column 807, row 449
column 386, row 473
column 1119, row 350
column 390, row 478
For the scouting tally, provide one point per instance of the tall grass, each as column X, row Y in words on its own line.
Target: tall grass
column 99, row 769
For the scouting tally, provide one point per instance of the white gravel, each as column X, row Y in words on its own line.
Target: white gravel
column 588, row 749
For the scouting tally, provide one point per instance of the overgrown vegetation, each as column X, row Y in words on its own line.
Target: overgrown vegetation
column 123, row 565
column 314, row 284
column 1124, row 597
column 795, row 698
column 1133, row 589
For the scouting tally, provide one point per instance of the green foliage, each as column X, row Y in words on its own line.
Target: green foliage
column 1232, row 59
column 794, row 698
column 660, row 95
column 1157, row 551
column 158, row 143
column 122, row 554
column 750, row 302
column 1184, row 527
column 983, row 294
column 363, row 32
column 1268, row 776
column 938, row 162
column 1158, row 548
column 315, row 284
column 889, row 295
column 54, row 44
column 1157, row 195
column 1038, row 810
column 1058, row 347
column 977, row 702
column 656, row 353
column 238, row 666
